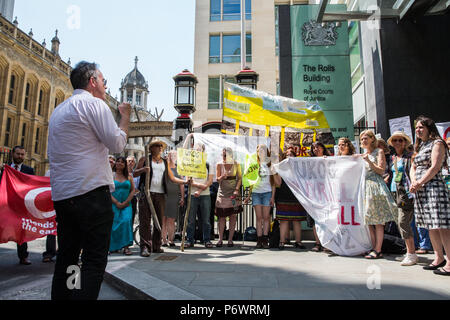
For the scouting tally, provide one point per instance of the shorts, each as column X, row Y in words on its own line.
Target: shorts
column 261, row 199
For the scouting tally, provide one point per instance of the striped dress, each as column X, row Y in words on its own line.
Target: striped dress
column 431, row 203
column 287, row 205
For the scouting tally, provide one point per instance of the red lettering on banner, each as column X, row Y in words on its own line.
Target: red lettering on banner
column 353, row 218
column 343, row 217
column 303, row 152
column 321, row 189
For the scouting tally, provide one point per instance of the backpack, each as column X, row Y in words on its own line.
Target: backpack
column 393, row 245
column 250, row 234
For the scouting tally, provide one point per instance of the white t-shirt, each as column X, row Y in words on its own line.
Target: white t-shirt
column 263, row 185
column 156, row 185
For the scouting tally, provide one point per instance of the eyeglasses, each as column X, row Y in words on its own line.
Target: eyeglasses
column 397, row 140
column 104, row 81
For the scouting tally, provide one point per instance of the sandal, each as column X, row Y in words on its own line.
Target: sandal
column 219, row 244
column 127, row 252
column 299, row 245
column 171, row 244
column 230, row 244
column 208, row 244
column 442, row 272
column 317, row 248
column 423, row 251
column 377, row 255
column 281, row 246
column 188, row 245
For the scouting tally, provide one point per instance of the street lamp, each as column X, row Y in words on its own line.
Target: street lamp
column 185, row 85
column 247, row 78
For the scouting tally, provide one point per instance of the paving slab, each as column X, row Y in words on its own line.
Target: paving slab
column 246, row 273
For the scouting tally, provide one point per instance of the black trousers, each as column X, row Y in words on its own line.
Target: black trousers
column 22, row 251
column 84, row 223
column 50, row 247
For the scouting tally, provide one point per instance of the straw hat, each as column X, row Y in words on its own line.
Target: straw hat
column 157, row 141
column 399, row 134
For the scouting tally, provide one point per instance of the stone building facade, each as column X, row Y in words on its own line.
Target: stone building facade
column 33, row 81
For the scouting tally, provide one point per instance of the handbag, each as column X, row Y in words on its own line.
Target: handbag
column 403, row 199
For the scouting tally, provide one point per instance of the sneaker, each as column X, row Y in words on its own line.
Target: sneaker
column 410, row 260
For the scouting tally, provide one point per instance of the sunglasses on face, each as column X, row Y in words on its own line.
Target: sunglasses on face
column 104, row 81
column 158, row 145
column 397, row 140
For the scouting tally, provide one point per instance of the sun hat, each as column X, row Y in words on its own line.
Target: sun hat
column 399, row 134
column 157, row 141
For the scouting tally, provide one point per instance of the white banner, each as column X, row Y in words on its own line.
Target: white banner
column 331, row 190
column 444, row 129
column 241, row 145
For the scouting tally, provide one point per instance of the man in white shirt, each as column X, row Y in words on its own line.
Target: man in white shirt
column 82, row 131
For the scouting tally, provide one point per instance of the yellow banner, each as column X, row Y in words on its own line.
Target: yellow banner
column 191, row 163
column 291, row 122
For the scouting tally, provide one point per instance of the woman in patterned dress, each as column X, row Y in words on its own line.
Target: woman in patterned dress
column 228, row 203
column 379, row 206
column 431, row 204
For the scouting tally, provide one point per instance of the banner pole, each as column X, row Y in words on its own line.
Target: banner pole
column 186, row 216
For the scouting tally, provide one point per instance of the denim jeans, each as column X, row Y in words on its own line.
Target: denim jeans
column 421, row 237
column 204, row 203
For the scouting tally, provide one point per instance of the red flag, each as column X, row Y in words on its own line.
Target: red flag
column 26, row 207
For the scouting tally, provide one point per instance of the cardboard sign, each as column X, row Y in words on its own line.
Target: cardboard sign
column 191, row 163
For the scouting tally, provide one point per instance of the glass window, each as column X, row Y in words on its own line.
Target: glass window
column 231, row 48
column 138, row 99
column 214, row 49
column 215, row 10
column 248, row 9
column 355, row 53
column 36, row 146
column 214, row 93
column 24, row 132
column 231, row 10
column 7, row 132
column 12, row 87
column 27, row 96
column 41, row 93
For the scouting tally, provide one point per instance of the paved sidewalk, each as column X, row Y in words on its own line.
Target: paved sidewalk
column 246, row 273
column 33, row 282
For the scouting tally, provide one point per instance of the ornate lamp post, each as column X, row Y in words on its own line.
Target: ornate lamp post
column 185, row 85
column 247, row 78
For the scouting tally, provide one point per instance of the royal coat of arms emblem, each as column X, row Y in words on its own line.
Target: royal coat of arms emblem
column 316, row 34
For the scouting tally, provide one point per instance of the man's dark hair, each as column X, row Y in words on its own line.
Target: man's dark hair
column 17, row 147
column 82, row 73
